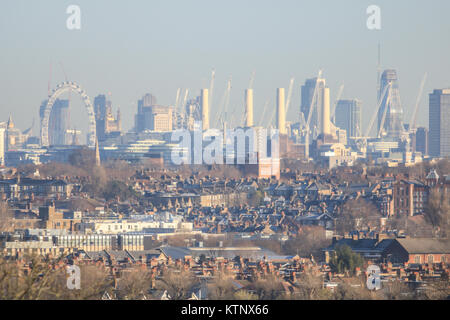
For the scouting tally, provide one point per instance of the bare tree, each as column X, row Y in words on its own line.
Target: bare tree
column 178, row 284
column 6, row 218
column 437, row 213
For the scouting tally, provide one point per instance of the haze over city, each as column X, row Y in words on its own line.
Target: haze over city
column 160, row 46
column 225, row 150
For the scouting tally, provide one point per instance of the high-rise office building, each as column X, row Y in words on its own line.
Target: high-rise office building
column 390, row 114
column 105, row 121
column 421, row 140
column 153, row 117
column 348, row 116
column 317, row 117
column 142, row 118
column 439, row 123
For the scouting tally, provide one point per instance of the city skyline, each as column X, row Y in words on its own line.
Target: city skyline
column 175, row 64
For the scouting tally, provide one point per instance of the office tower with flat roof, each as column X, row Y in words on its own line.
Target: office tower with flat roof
column 390, row 113
column 142, row 118
column 421, row 140
column 318, row 119
column 348, row 116
column 106, row 123
column 439, row 123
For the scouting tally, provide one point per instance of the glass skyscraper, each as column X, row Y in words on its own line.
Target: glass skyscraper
column 390, row 114
column 348, row 117
column 439, row 123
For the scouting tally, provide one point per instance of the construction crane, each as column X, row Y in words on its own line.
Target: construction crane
column 211, row 87
column 289, row 96
column 264, row 112
column 177, row 99
column 252, row 79
column 374, row 116
column 338, row 97
column 383, row 119
column 183, row 106
column 224, row 102
column 412, row 122
column 311, row 107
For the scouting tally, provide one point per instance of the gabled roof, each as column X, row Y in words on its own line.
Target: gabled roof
column 425, row 245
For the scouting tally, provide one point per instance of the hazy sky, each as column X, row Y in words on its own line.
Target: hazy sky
column 133, row 47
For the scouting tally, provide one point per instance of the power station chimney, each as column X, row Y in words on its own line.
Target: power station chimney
column 326, row 127
column 205, row 108
column 281, row 113
column 249, row 108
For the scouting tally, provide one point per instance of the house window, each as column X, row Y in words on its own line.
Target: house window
column 430, row 258
column 443, row 258
column 417, row 259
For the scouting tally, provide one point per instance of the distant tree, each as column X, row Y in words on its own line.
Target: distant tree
column 357, row 214
column 309, row 241
column 345, row 291
column 134, row 284
column 117, row 190
column 6, row 218
column 310, row 287
column 221, row 288
column 396, row 290
column 82, row 158
column 345, row 260
column 256, row 198
column 178, row 284
column 269, row 288
column 41, row 278
column 437, row 213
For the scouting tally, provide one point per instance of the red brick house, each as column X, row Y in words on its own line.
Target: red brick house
column 418, row 251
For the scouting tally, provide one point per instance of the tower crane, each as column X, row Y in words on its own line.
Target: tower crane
column 374, row 116
column 289, row 96
column 224, row 102
column 264, row 112
column 388, row 100
column 211, row 87
column 312, row 105
column 338, row 97
column 252, row 79
column 177, row 99
column 412, row 122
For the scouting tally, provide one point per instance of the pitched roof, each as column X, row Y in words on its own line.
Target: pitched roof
column 424, row 245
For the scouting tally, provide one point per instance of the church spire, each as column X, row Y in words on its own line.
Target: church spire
column 10, row 122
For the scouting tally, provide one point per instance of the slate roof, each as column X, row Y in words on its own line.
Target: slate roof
column 422, row 245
